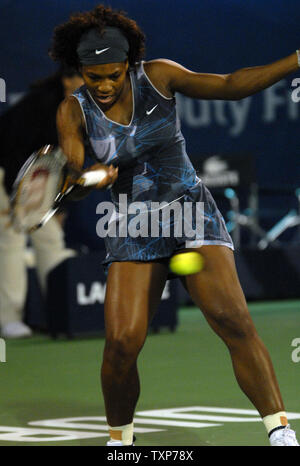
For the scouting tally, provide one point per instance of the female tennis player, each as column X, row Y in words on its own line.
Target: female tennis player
column 126, row 111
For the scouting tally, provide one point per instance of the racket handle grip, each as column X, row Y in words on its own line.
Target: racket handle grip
column 92, row 178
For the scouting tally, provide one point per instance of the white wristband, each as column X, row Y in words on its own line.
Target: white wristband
column 93, row 177
column 298, row 56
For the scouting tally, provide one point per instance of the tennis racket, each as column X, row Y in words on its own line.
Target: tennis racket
column 41, row 186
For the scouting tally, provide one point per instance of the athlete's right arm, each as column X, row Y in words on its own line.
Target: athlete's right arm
column 69, row 122
column 70, row 129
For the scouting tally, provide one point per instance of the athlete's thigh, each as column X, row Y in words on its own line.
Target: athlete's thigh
column 217, row 290
column 133, row 293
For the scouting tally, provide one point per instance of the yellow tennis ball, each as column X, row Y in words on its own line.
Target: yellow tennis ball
column 186, row 263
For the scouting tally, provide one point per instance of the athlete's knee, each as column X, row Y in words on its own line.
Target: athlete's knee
column 121, row 351
column 233, row 324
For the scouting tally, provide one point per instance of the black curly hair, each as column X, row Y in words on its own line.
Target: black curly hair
column 66, row 36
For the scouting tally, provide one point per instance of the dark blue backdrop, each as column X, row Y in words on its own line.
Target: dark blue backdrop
column 210, row 36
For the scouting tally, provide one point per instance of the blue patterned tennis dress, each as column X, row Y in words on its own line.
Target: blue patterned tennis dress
column 160, row 204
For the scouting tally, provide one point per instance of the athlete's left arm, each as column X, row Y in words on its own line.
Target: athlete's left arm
column 233, row 86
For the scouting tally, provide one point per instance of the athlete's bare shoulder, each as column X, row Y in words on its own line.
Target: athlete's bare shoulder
column 160, row 71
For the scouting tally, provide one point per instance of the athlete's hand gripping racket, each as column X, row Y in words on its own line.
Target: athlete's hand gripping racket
column 44, row 181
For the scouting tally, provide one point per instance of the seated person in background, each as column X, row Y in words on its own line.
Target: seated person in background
column 24, row 128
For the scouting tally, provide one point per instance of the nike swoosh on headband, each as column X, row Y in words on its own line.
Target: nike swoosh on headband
column 97, row 52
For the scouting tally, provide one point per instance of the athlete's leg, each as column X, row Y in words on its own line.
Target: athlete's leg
column 133, row 293
column 217, row 292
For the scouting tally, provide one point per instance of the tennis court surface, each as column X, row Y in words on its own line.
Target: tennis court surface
column 50, row 389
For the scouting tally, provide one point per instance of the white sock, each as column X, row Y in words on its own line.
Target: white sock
column 275, row 421
column 122, row 433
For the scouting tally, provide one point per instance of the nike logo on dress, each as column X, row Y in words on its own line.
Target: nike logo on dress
column 150, row 111
column 97, row 52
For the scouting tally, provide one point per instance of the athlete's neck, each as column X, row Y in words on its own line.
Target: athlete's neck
column 121, row 110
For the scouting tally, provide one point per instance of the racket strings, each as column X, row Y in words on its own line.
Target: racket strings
column 36, row 189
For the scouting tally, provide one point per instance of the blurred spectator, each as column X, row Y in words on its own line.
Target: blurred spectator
column 24, row 128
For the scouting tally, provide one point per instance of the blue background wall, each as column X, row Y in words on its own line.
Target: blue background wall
column 217, row 36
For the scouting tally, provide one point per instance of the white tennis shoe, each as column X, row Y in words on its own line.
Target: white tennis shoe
column 118, row 443
column 114, row 443
column 284, row 438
